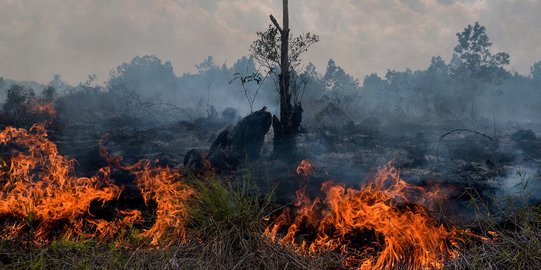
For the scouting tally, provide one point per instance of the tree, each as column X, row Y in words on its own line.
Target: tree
column 338, row 82
column 535, row 71
column 472, row 56
column 60, row 85
column 312, row 81
column 433, row 90
column 275, row 49
column 18, row 101
column 473, row 65
column 146, row 76
column 49, row 94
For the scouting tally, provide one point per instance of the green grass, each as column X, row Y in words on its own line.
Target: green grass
column 221, row 206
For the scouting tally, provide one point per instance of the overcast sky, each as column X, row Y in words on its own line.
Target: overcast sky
column 75, row 38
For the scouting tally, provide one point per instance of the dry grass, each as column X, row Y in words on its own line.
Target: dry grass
column 225, row 233
column 516, row 244
column 228, row 250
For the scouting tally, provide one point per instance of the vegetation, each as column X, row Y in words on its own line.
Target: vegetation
column 225, row 233
column 274, row 49
column 228, row 218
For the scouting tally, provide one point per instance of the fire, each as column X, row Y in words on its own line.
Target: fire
column 305, row 168
column 172, row 196
column 39, row 185
column 40, row 192
column 163, row 186
column 43, row 108
column 388, row 208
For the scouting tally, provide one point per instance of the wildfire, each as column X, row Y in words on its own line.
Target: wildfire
column 40, row 193
column 44, row 108
column 38, row 185
column 383, row 225
column 305, row 168
column 391, row 210
column 163, row 186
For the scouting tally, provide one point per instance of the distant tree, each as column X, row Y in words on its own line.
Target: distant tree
column 473, row 65
column 373, row 88
column 142, row 86
column 18, row 96
column 210, row 78
column 535, row 71
column 280, row 54
column 208, row 69
column 18, row 102
column 146, row 76
column 472, row 56
column 310, row 71
column 433, row 89
column 338, row 82
column 60, row 85
column 49, row 94
column 401, row 85
column 438, row 66
column 206, row 65
column 314, row 87
column 244, row 65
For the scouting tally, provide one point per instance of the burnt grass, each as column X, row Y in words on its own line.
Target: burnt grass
column 490, row 181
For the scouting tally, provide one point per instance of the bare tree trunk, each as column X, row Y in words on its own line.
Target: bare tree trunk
column 285, row 96
column 285, row 128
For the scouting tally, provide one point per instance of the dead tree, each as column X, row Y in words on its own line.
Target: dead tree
column 284, row 131
column 274, row 48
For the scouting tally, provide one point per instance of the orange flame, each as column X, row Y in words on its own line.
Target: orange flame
column 163, row 186
column 395, row 211
column 39, row 186
column 45, row 108
column 305, row 168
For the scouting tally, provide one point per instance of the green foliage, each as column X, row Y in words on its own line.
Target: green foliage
column 267, row 47
column 224, row 206
column 472, row 58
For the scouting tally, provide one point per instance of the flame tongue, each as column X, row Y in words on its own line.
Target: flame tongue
column 163, row 186
column 386, row 206
column 40, row 184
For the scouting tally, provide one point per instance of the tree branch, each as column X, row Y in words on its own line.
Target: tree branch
column 275, row 22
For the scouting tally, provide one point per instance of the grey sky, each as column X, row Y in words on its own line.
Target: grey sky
column 75, row 38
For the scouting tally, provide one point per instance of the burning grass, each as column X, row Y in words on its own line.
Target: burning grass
column 224, row 233
column 41, row 194
column 40, row 190
column 391, row 215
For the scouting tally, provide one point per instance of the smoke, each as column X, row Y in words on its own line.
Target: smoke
column 521, row 183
